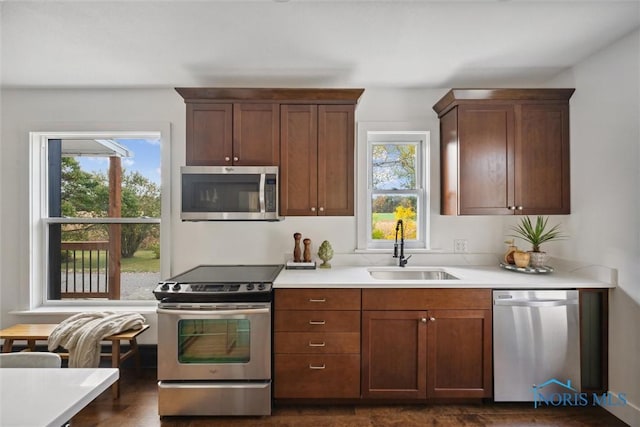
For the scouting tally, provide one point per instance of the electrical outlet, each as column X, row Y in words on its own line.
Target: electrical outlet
column 460, row 245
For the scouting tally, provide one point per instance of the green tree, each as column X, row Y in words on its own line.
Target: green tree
column 87, row 194
column 140, row 198
column 394, row 163
column 82, row 191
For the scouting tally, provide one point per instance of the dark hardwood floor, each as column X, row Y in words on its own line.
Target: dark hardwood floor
column 138, row 407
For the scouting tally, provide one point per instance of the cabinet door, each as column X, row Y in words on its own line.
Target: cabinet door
column 209, row 139
column 394, row 354
column 542, row 159
column 335, row 159
column 256, row 134
column 298, row 160
column 459, row 354
column 486, row 171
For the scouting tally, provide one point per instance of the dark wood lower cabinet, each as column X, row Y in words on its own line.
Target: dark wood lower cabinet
column 380, row 345
column 459, row 361
column 426, row 354
column 304, row 376
column 394, row 354
column 441, row 351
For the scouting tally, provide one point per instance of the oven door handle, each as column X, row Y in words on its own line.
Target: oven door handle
column 224, row 312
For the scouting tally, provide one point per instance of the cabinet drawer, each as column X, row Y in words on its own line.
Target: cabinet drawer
column 317, row 342
column 317, row 376
column 425, row 299
column 316, row 321
column 317, row 299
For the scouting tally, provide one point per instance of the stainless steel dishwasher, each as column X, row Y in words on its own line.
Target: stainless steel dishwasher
column 536, row 338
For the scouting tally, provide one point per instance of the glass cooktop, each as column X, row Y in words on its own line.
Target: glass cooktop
column 229, row 274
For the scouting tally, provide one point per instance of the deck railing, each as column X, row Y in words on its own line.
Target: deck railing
column 85, row 270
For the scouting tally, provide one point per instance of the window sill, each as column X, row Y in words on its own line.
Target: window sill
column 406, row 251
column 73, row 309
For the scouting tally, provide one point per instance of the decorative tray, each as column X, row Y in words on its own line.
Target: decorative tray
column 529, row 270
column 292, row 265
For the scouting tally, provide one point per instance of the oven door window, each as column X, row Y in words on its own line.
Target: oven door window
column 214, row 341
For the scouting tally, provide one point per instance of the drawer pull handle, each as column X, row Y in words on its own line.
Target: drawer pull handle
column 316, row 344
column 317, row 367
column 317, row 300
column 317, row 322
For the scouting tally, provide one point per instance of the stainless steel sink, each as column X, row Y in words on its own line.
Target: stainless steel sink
column 411, row 275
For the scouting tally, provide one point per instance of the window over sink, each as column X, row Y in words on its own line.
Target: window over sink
column 394, row 187
column 96, row 205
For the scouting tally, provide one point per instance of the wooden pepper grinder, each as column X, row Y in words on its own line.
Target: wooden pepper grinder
column 307, row 250
column 296, row 247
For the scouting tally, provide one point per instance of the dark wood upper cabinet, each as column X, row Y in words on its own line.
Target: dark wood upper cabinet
column 309, row 133
column 317, row 160
column 243, row 134
column 256, row 134
column 209, row 134
column 504, row 151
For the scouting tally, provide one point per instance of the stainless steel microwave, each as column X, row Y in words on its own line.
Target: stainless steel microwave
column 240, row 193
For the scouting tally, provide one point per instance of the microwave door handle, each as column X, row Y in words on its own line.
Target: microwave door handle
column 261, row 192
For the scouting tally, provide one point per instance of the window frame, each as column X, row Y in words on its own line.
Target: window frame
column 40, row 219
column 392, row 132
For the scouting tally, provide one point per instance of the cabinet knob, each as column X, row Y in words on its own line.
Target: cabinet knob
column 235, row 159
column 520, row 208
column 321, row 209
column 313, row 209
column 226, row 159
column 423, row 320
column 512, row 208
column 432, row 319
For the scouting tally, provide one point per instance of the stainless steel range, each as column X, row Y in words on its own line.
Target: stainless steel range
column 214, row 340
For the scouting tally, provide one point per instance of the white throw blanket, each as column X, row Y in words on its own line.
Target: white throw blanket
column 81, row 334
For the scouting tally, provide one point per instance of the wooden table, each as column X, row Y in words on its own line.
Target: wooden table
column 40, row 332
column 49, row 396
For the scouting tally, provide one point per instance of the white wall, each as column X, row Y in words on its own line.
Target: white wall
column 605, row 196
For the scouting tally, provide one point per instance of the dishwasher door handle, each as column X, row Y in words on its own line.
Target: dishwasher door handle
column 535, row 303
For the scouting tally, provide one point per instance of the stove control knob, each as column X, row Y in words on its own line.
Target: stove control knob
column 164, row 287
column 176, row 287
column 261, row 286
column 250, row 286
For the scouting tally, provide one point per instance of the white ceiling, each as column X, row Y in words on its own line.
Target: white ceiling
column 302, row 43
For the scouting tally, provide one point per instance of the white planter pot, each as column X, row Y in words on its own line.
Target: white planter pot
column 537, row 259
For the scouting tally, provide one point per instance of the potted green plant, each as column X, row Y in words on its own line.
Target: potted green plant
column 537, row 234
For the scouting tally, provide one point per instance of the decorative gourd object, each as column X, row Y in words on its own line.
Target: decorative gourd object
column 325, row 253
column 521, row 258
column 508, row 256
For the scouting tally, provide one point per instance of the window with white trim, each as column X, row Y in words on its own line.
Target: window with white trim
column 96, row 212
column 397, row 171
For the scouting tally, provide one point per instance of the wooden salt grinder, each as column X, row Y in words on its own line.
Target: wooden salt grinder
column 307, row 250
column 296, row 247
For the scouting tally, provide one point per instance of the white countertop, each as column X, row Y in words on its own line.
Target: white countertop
column 492, row 277
column 49, row 397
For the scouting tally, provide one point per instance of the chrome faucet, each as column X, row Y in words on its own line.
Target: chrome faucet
column 402, row 261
